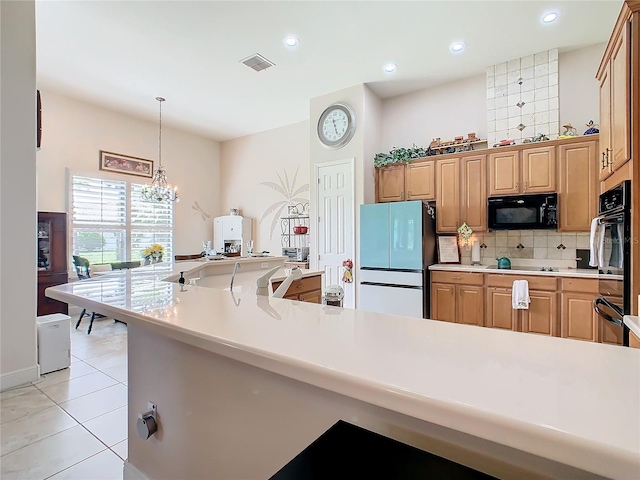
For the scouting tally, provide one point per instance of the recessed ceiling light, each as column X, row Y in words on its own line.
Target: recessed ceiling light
column 457, row 47
column 291, row 41
column 550, row 17
column 390, row 67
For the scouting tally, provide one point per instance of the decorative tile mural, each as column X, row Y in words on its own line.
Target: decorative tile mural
column 522, row 98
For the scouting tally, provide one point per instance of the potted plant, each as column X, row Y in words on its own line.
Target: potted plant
column 153, row 254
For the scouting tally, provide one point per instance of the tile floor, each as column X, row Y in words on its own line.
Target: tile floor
column 71, row 424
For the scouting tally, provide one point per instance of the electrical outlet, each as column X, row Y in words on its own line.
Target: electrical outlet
column 264, row 265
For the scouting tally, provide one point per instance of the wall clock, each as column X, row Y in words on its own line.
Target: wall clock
column 336, row 125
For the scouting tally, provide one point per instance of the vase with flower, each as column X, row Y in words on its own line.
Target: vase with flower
column 153, row 254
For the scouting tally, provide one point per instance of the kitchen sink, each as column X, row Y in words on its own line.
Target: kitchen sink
column 526, row 269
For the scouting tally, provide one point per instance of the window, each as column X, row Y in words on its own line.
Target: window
column 111, row 222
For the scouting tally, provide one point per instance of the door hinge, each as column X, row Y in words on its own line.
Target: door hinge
column 318, row 257
column 318, row 181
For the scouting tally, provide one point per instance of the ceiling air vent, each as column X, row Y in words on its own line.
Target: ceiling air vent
column 257, row 62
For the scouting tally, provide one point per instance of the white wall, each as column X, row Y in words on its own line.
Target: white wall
column 73, row 133
column 18, row 222
column 247, row 162
column 445, row 111
column 579, row 89
column 460, row 107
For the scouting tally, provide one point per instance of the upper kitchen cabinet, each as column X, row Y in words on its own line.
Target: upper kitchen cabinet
column 447, row 195
column 420, row 180
column 390, row 183
column 413, row 181
column 532, row 170
column 539, row 170
column 504, row 173
column 578, row 185
column 461, row 193
column 614, row 75
column 473, row 197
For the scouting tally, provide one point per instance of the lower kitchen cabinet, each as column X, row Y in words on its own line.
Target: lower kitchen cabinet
column 542, row 315
column 457, row 303
column 634, row 340
column 307, row 289
column 443, row 302
column 609, row 332
column 578, row 318
column 499, row 310
column 457, row 297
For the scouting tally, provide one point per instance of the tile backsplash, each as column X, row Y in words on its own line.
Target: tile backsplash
column 534, row 244
column 522, row 98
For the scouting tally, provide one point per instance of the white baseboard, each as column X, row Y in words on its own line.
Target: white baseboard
column 132, row 473
column 19, row 377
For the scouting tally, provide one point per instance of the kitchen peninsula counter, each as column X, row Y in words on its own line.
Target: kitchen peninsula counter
column 236, row 376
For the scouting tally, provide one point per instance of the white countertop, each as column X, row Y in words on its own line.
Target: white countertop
column 562, row 272
column 633, row 322
column 570, row 401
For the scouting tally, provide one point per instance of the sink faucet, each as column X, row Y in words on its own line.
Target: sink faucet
column 233, row 275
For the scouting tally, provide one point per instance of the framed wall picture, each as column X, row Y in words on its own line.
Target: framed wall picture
column 448, row 249
column 117, row 163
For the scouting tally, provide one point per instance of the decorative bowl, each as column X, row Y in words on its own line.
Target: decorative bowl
column 300, row 229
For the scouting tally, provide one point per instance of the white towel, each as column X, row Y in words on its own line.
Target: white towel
column 520, row 299
column 596, row 241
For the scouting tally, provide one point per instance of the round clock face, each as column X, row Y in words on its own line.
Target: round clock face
column 336, row 126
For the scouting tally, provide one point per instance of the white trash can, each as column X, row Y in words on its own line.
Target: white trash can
column 54, row 342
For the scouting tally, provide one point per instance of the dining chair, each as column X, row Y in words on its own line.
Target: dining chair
column 83, row 271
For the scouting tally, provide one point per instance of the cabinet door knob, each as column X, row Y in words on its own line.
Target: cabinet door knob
column 516, row 185
column 526, row 185
column 609, row 161
column 456, row 278
column 461, row 292
column 603, row 160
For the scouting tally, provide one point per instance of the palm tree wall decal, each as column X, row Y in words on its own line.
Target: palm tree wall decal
column 290, row 194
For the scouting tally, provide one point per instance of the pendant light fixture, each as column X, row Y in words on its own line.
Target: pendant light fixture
column 160, row 190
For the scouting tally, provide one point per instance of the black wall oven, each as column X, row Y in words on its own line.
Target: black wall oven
column 523, row 212
column 614, row 259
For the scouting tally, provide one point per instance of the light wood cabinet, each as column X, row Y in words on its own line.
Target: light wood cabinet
column 457, row 303
column 461, row 193
column 470, row 309
column 634, row 340
column 615, row 103
column 539, row 170
column 578, row 319
column 542, row 315
column 499, row 312
column 447, row 195
column 530, row 170
column 390, row 183
column 307, row 289
column 578, row 186
column 504, row 173
column 443, row 302
column 420, row 180
column 473, row 195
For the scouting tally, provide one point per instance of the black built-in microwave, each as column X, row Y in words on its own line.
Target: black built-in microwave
column 523, row 212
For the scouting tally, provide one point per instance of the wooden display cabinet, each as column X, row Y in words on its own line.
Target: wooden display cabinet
column 52, row 259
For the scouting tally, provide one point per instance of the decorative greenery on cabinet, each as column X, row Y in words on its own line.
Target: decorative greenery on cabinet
column 400, row 155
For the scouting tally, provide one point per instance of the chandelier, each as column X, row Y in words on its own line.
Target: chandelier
column 160, row 190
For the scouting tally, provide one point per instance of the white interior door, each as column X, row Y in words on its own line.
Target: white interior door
column 336, row 222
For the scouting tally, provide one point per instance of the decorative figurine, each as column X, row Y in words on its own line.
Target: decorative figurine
column 504, row 143
column 472, row 137
column 569, row 131
column 592, row 128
